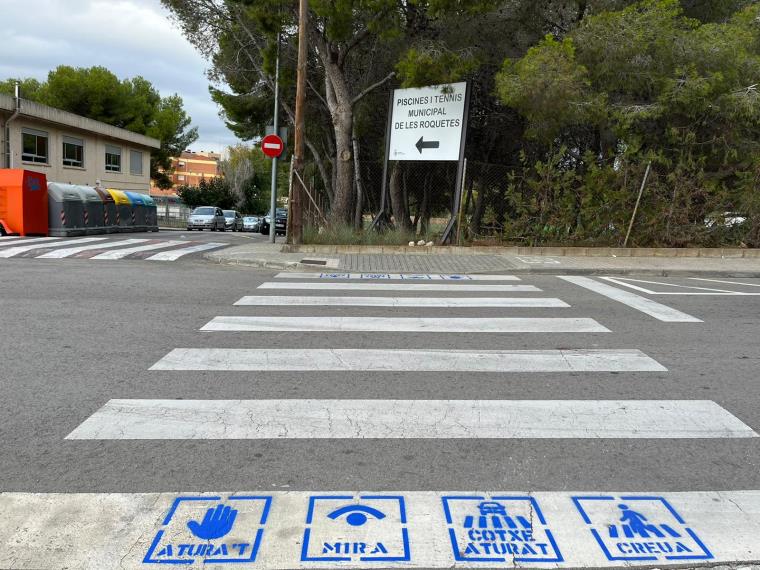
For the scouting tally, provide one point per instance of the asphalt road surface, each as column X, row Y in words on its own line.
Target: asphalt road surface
column 177, row 413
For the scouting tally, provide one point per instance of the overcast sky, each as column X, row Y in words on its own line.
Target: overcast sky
column 129, row 37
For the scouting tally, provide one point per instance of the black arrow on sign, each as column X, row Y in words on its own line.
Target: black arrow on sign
column 429, row 144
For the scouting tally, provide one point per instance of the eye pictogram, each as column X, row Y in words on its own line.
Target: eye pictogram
column 357, row 515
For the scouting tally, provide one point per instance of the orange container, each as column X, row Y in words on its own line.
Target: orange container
column 23, row 202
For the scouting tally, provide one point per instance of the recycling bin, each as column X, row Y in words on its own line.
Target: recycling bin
column 125, row 214
column 23, row 202
column 139, row 208
column 65, row 210
column 94, row 218
column 151, row 213
column 109, row 211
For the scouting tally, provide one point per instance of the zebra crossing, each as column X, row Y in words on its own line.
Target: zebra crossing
column 102, row 248
column 419, row 529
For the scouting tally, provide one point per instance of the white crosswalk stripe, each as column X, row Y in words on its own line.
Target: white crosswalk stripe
column 412, row 287
column 69, row 251
column 398, row 276
column 425, row 419
column 177, row 253
column 112, row 249
column 16, row 250
column 403, row 324
column 10, row 240
column 122, row 253
column 365, row 360
column 420, row 302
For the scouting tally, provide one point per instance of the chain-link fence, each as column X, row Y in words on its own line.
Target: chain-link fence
column 171, row 212
column 552, row 203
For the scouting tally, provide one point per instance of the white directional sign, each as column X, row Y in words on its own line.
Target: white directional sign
column 427, row 122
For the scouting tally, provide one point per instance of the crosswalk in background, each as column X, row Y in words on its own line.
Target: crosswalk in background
column 485, row 528
column 101, row 248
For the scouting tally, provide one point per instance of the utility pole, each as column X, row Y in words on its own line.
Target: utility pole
column 273, row 200
column 296, row 207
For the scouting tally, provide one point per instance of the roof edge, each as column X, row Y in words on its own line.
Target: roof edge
column 57, row 116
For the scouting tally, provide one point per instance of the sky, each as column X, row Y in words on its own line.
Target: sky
column 129, row 37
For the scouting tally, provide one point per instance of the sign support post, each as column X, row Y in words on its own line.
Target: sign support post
column 273, row 197
column 447, row 233
column 380, row 218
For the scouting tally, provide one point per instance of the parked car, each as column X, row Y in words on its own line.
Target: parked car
column 206, row 218
column 233, row 221
column 280, row 222
column 251, row 224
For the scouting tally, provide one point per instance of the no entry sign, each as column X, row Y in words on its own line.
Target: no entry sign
column 272, row 146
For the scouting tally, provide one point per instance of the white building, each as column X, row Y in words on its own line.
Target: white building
column 72, row 149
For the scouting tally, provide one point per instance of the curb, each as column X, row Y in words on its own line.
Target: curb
column 704, row 252
column 261, row 263
column 589, row 271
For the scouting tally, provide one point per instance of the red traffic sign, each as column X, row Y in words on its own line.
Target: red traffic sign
column 272, row 146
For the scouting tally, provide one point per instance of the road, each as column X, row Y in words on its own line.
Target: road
column 163, row 246
column 582, row 422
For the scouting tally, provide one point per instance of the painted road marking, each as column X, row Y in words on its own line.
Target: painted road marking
column 346, row 360
column 652, row 308
column 122, row 253
column 175, row 254
column 407, row 419
column 627, row 282
column 401, row 287
column 13, row 240
column 11, row 251
column 417, row 302
column 66, row 252
column 538, row 260
column 398, row 276
column 405, row 324
column 727, row 282
column 276, row 530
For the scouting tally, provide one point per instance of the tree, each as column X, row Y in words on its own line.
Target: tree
column 354, row 48
column 209, row 192
column 132, row 104
column 639, row 84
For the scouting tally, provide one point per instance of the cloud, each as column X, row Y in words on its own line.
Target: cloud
column 129, row 37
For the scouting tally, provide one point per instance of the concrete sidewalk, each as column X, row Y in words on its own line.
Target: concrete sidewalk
column 501, row 260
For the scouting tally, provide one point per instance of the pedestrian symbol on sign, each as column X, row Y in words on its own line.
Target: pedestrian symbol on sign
column 640, row 528
column 635, row 524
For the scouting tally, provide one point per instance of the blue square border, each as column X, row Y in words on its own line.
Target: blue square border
column 309, row 520
column 175, row 504
column 536, row 509
column 706, row 555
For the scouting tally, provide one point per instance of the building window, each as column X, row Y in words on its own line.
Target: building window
column 181, row 178
column 113, row 158
column 73, row 152
column 135, row 162
column 34, row 146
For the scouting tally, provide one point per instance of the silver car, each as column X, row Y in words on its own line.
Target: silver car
column 206, row 218
column 251, row 223
column 233, row 220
